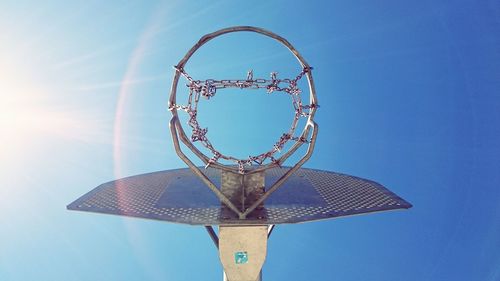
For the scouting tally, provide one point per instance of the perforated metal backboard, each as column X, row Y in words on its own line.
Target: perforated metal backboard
column 180, row 196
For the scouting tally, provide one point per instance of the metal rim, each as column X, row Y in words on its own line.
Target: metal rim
column 178, row 131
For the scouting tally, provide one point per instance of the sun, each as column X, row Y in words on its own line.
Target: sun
column 30, row 113
column 18, row 93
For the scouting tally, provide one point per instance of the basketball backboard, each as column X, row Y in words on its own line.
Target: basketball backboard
column 180, row 196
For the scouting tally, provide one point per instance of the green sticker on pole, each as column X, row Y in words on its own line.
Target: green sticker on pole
column 241, row 257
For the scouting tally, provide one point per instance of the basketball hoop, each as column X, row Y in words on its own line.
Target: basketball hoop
column 242, row 207
column 208, row 88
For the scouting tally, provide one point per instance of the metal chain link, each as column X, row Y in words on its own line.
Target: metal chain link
column 208, row 88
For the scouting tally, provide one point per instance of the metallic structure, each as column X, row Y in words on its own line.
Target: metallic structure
column 179, row 196
column 245, row 198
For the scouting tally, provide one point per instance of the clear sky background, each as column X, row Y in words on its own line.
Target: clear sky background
column 409, row 95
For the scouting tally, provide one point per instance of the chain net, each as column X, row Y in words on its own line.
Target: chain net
column 208, row 88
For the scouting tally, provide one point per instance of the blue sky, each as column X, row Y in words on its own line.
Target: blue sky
column 408, row 94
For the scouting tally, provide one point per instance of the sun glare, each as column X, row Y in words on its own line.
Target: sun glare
column 27, row 113
column 17, row 95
